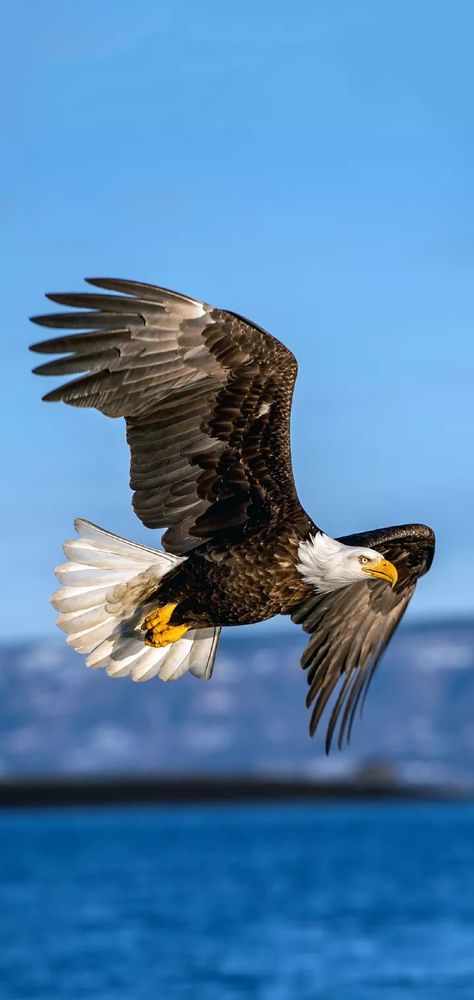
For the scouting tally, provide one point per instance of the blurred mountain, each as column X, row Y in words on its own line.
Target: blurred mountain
column 57, row 717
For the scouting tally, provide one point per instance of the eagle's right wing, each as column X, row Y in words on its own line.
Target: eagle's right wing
column 351, row 627
column 206, row 396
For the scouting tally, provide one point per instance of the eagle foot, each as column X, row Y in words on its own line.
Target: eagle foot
column 158, row 631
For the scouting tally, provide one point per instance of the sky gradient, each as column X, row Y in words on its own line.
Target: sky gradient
column 309, row 165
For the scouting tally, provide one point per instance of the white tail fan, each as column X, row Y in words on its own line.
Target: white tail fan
column 102, row 604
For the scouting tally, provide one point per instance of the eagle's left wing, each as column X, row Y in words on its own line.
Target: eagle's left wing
column 351, row 627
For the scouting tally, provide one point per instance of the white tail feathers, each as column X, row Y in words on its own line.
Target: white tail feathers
column 102, row 604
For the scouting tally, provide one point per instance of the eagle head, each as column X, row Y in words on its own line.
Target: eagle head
column 327, row 564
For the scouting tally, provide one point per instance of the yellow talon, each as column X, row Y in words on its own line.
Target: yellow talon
column 157, row 630
column 159, row 617
column 163, row 637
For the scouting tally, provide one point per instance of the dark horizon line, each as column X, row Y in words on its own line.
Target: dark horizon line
column 89, row 790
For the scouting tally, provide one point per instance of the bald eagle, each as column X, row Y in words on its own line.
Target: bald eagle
column 206, row 396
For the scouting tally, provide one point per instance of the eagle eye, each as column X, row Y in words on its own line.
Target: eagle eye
column 363, row 560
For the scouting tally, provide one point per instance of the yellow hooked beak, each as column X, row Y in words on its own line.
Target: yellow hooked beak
column 382, row 570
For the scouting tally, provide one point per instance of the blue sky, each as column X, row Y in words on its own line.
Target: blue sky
column 310, row 165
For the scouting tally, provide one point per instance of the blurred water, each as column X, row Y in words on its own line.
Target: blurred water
column 276, row 903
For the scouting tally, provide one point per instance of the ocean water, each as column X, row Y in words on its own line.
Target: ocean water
column 273, row 903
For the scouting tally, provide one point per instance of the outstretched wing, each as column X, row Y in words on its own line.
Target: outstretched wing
column 351, row 627
column 206, row 396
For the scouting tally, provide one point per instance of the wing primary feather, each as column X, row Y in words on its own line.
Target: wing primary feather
column 335, row 712
column 94, row 300
column 68, row 366
column 357, row 681
column 152, row 293
column 367, row 677
column 78, row 342
column 86, row 320
column 321, row 701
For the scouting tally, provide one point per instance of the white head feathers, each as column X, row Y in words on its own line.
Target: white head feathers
column 327, row 564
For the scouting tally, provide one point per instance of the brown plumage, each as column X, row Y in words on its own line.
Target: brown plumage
column 351, row 627
column 206, row 396
column 190, row 381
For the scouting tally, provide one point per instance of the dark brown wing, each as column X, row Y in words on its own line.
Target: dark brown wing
column 206, row 396
column 352, row 626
